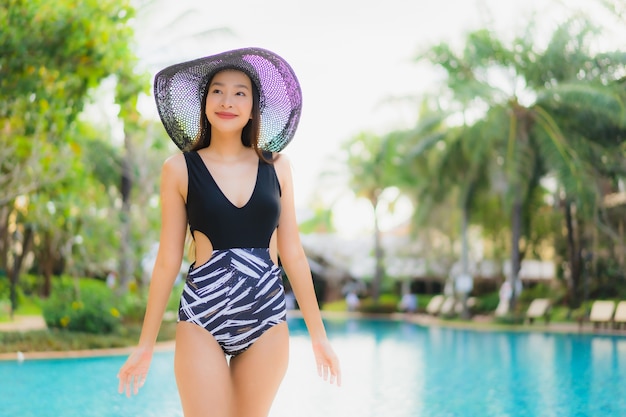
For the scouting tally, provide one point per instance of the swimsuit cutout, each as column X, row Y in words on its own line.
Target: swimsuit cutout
column 238, row 294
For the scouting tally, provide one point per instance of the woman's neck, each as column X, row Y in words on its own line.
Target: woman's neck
column 227, row 149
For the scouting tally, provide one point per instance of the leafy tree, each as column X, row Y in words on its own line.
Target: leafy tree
column 370, row 166
column 512, row 94
column 51, row 54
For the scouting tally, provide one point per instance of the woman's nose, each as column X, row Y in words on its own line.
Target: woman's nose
column 226, row 103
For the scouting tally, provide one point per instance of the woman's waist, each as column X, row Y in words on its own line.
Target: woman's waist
column 254, row 259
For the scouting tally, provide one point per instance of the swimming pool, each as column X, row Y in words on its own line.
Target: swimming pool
column 391, row 369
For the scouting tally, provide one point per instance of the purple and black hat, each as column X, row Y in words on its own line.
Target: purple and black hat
column 180, row 88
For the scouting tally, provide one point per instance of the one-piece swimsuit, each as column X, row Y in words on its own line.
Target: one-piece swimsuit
column 238, row 294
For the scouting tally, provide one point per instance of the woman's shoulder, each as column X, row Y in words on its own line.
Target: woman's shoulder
column 281, row 161
column 282, row 166
column 175, row 164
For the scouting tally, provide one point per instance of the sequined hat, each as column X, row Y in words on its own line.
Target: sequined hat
column 180, row 88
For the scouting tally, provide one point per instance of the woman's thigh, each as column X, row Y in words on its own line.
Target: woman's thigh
column 202, row 373
column 258, row 372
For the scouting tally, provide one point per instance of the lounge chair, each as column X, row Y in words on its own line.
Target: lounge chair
column 434, row 305
column 448, row 307
column 602, row 313
column 538, row 308
column 502, row 309
column 619, row 318
column 471, row 303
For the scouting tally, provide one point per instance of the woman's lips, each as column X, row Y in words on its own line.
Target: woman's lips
column 226, row 115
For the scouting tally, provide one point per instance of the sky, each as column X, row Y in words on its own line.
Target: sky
column 354, row 59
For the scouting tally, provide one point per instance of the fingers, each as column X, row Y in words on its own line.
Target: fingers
column 130, row 383
column 328, row 370
column 333, row 373
column 336, row 374
column 327, row 363
column 125, row 383
column 136, row 384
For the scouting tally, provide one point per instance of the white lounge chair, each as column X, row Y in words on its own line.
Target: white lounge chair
column 434, row 305
column 447, row 308
column 502, row 309
column 619, row 318
column 538, row 308
column 602, row 312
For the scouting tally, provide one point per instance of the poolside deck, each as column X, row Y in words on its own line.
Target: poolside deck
column 23, row 323
column 480, row 323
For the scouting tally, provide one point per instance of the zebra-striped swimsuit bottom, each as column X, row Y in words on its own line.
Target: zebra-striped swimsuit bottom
column 237, row 296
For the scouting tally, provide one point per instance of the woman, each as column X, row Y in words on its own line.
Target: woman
column 236, row 196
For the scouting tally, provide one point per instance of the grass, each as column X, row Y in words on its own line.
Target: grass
column 26, row 307
column 61, row 340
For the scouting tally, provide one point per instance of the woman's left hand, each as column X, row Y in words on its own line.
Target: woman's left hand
column 327, row 362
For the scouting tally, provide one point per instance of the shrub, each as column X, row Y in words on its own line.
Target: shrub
column 387, row 303
column 133, row 307
column 542, row 290
column 90, row 309
column 30, row 284
column 487, row 303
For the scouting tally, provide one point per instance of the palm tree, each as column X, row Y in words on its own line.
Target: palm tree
column 369, row 164
column 451, row 166
column 517, row 136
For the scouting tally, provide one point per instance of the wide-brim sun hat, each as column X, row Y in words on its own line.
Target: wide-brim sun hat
column 179, row 90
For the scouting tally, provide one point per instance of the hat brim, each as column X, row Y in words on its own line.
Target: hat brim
column 179, row 91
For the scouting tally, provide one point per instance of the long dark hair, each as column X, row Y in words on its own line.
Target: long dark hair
column 251, row 131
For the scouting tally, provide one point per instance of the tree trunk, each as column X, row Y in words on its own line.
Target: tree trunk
column 574, row 254
column 47, row 266
column 4, row 238
column 125, row 261
column 378, row 255
column 516, row 233
column 465, row 259
column 18, row 259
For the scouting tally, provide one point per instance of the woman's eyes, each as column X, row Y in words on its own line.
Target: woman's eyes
column 218, row 91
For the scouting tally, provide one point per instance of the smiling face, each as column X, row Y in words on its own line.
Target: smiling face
column 229, row 101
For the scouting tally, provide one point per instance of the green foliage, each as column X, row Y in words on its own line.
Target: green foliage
column 386, row 304
column 563, row 121
column 487, row 303
column 320, row 222
column 90, row 308
column 336, row 306
column 54, row 51
column 63, row 340
column 174, row 300
column 133, row 307
column 133, row 304
column 543, row 290
column 510, row 319
column 22, row 300
column 30, row 285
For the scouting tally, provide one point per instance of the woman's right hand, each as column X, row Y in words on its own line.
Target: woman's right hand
column 327, row 362
column 132, row 374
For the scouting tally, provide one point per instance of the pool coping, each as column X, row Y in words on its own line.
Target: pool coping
column 477, row 324
column 75, row 354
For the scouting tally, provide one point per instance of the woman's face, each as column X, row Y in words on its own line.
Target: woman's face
column 229, row 101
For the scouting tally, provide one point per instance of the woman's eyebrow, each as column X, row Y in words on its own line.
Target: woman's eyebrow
column 219, row 84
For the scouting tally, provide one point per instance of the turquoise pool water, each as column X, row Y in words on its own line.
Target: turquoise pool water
column 391, row 369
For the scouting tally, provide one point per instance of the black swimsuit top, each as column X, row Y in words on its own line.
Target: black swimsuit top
column 226, row 225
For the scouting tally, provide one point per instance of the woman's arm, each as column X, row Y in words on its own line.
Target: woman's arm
column 297, row 268
column 166, row 269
